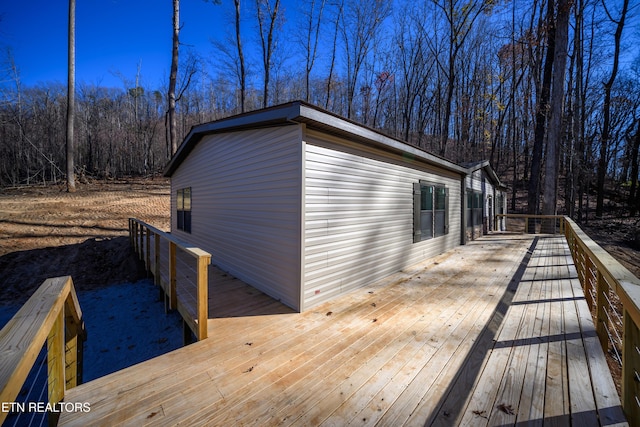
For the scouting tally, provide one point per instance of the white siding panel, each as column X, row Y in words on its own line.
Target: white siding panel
column 246, row 206
column 359, row 216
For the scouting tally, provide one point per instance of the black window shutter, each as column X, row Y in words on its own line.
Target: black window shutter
column 446, row 211
column 417, row 234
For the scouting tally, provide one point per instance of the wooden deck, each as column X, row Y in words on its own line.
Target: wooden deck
column 493, row 333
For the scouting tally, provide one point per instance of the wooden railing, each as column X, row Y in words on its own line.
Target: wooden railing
column 180, row 269
column 531, row 223
column 613, row 295
column 51, row 315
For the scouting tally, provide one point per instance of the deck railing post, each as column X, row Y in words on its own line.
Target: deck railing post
column 202, row 296
column 147, row 249
column 72, row 354
column 55, row 364
column 156, row 274
column 172, row 276
column 141, row 243
column 630, row 376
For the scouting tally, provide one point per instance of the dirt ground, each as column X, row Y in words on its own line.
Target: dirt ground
column 47, row 232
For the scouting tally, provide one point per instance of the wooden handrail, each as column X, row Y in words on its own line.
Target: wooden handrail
column 51, row 315
column 600, row 273
column 141, row 235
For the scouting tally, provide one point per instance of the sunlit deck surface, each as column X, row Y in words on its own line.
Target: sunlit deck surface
column 493, row 333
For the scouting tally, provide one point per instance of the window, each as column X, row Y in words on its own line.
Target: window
column 431, row 211
column 477, row 208
column 183, row 203
column 474, row 208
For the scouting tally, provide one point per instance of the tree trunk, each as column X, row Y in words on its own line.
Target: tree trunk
column 541, row 118
column 606, row 123
column 268, row 42
column 550, row 194
column 173, row 76
column 243, row 74
column 634, row 172
column 71, row 89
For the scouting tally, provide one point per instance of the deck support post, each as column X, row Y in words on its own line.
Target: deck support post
column 187, row 335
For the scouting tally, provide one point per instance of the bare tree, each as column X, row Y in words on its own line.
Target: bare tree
column 173, row 77
column 460, row 16
column 313, row 20
column 267, row 23
column 334, row 48
column 71, row 88
column 605, row 138
column 360, row 25
column 550, row 193
column 542, row 109
column 242, row 73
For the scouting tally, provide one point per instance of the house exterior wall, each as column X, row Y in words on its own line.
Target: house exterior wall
column 479, row 181
column 246, row 191
column 358, row 222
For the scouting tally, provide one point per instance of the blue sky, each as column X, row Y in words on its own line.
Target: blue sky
column 112, row 38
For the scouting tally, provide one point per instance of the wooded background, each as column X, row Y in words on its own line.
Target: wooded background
column 467, row 80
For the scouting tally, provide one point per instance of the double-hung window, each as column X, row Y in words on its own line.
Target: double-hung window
column 183, row 203
column 431, row 211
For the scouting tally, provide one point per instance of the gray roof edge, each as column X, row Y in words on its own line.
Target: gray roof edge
column 299, row 112
column 486, row 165
column 279, row 114
column 345, row 125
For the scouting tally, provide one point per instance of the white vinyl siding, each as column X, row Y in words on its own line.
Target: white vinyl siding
column 359, row 216
column 479, row 182
column 246, row 189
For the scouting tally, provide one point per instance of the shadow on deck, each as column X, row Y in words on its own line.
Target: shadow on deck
column 493, row 333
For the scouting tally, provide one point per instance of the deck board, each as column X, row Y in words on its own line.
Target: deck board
column 499, row 323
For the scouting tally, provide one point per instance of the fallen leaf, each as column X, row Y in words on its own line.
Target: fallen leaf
column 507, row 409
column 480, row 414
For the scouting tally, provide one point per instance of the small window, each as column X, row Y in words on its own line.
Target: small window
column 183, row 204
column 431, row 211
